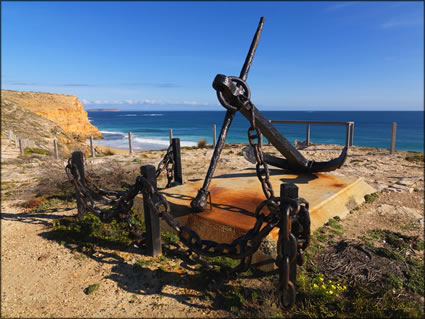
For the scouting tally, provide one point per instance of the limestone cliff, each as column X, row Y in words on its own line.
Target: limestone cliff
column 36, row 128
column 65, row 110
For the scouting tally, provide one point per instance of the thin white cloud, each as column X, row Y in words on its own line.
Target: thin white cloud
column 340, row 5
column 139, row 102
column 400, row 23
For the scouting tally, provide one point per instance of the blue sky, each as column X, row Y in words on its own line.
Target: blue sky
column 164, row 55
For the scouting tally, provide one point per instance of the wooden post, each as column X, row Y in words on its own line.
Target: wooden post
column 178, row 175
column 10, row 136
column 77, row 160
column 171, row 135
column 55, row 147
column 214, row 135
column 92, row 147
column 16, row 141
column 130, row 142
column 393, row 137
column 152, row 222
column 351, row 133
column 21, row 146
column 307, row 134
column 290, row 191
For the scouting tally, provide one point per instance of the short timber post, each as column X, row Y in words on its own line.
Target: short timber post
column 393, row 137
column 55, row 148
column 77, row 160
column 153, row 231
column 92, row 147
column 130, row 142
column 178, row 176
column 289, row 191
column 16, row 141
column 214, row 135
column 351, row 133
column 307, row 134
column 21, row 146
column 171, row 135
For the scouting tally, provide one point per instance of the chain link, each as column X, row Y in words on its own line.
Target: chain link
column 167, row 164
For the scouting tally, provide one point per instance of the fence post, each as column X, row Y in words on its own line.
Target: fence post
column 153, row 231
column 393, row 137
column 214, row 135
column 21, row 146
column 178, row 176
column 16, row 141
column 351, row 133
column 10, row 136
column 55, row 147
column 308, row 134
column 92, row 147
column 130, row 142
column 77, row 160
column 171, row 135
column 290, row 191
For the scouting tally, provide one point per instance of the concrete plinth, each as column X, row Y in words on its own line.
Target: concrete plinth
column 234, row 198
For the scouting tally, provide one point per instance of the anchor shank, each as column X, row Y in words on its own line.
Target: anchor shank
column 276, row 138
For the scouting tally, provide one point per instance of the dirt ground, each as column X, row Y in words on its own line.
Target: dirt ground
column 41, row 277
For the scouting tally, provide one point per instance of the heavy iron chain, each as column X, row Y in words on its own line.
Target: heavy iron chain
column 294, row 235
column 290, row 244
column 167, row 164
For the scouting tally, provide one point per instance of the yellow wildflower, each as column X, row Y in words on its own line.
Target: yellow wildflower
column 333, row 286
column 315, row 286
column 323, row 287
column 331, row 292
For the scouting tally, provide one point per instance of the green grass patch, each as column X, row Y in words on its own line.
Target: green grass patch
column 168, row 237
column 419, row 245
column 91, row 231
column 46, row 204
column 334, row 223
column 416, row 157
column 35, row 150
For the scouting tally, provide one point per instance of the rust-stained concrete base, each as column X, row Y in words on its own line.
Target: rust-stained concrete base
column 235, row 197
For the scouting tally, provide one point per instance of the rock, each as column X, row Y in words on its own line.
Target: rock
column 405, row 182
column 389, row 211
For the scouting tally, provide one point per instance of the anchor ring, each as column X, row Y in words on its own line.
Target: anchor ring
column 246, row 93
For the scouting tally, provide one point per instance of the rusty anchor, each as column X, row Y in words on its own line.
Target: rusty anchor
column 234, row 95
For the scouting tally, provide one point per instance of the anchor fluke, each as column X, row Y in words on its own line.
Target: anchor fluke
column 312, row 167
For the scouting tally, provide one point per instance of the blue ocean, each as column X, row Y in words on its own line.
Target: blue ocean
column 150, row 129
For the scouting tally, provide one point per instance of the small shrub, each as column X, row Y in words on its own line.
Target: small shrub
column 202, row 143
column 417, row 157
column 370, row 198
column 108, row 152
column 91, row 289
